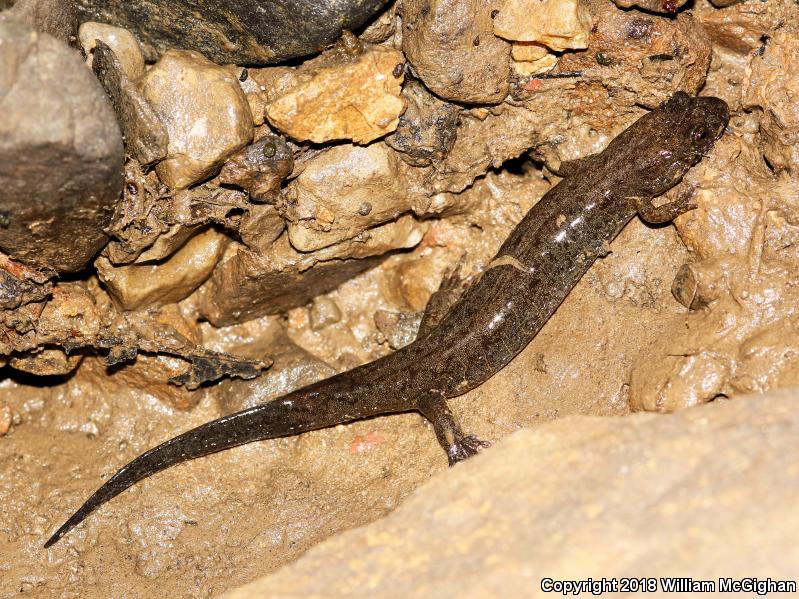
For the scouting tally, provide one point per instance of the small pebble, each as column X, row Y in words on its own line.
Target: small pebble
column 323, row 312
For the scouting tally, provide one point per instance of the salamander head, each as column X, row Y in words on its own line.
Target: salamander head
column 672, row 138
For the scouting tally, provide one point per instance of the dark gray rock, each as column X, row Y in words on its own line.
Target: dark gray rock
column 55, row 17
column 145, row 136
column 61, row 152
column 245, row 32
column 427, row 129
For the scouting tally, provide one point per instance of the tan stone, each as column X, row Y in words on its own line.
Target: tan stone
column 48, row 362
column 140, row 285
column 121, row 41
column 341, row 97
column 558, row 24
column 542, row 65
column 343, row 192
column 741, row 28
column 323, row 312
column 145, row 136
column 187, row 90
column 767, row 86
column 452, row 48
column 707, row 492
column 528, row 51
column 741, row 335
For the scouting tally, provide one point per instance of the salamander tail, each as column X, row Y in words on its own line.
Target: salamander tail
column 267, row 421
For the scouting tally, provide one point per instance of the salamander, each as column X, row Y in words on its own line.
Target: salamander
column 495, row 318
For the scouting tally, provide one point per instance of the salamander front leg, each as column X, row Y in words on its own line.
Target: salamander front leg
column 449, row 292
column 665, row 212
column 458, row 445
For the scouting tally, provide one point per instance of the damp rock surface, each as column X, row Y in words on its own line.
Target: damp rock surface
column 351, row 92
column 144, row 134
column 250, row 32
column 141, row 285
column 53, row 17
column 452, row 47
column 248, row 284
column 60, row 152
column 186, row 90
column 557, row 24
column 120, row 41
column 606, row 481
column 341, row 194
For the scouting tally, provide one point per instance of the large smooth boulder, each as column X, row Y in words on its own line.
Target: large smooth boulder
column 245, row 32
column 61, row 152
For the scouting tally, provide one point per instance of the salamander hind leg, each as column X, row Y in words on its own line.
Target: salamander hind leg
column 665, row 212
column 455, row 442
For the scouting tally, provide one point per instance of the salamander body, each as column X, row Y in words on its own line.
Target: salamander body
column 495, row 318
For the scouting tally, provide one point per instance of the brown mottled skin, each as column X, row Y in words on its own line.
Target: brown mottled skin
column 534, row 270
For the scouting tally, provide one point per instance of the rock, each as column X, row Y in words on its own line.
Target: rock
column 246, row 285
column 53, row 17
column 708, row 493
column 383, row 27
column 144, row 135
column 558, row 24
column 259, row 168
column 326, row 204
column 186, row 90
column 535, row 67
column 452, row 48
column 528, row 51
column 741, row 336
column 61, row 152
column 292, row 368
column 20, row 285
column 323, row 312
column 398, row 328
column 742, row 28
column 72, row 313
column 252, row 32
column 145, row 285
column 667, row 6
column 6, row 418
column 47, row 362
column 120, row 41
column 253, row 92
column 765, row 87
column 260, row 226
column 428, row 128
column 351, row 92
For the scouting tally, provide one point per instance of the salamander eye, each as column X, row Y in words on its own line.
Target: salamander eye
column 699, row 133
